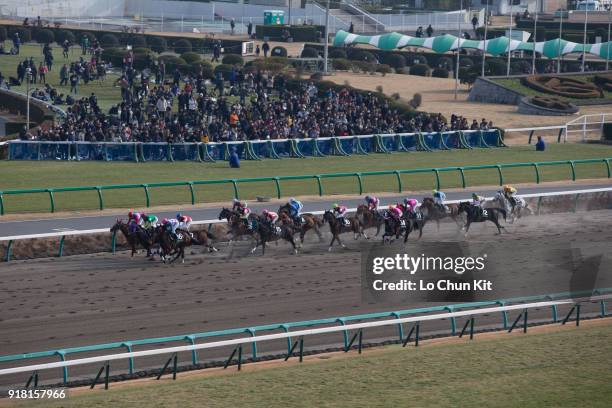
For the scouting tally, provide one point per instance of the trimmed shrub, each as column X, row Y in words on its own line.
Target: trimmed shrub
column 137, row 41
column 3, row 34
column 363, row 66
column 317, row 76
column 24, row 34
column 225, row 70
column 384, row 69
column 191, row 57
column 279, row 52
column 420, row 70
column 416, row 100
column 309, row 52
column 205, row 67
column 63, row 35
column 172, row 62
column 114, row 56
column 404, row 71
column 109, row 40
column 496, row 67
column 157, row 44
column 232, row 59
column 341, row 64
column 337, row 53
column 272, row 64
column 182, row 46
column 45, row 36
column 364, row 56
column 415, row 59
column 396, row 61
column 440, row 73
column 465, row 62
column 143, row 58
column 445, row 63
column 520, row 67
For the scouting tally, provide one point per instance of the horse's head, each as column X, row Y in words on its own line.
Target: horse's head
column 284, row 209
column 328, row 216
column 428, row 202
column 117, row 226
column 225, row 213
column 463, row 206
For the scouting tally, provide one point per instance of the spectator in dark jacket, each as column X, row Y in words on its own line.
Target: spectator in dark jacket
column 540, row 145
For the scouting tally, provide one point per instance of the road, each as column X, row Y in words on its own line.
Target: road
column 48, row 225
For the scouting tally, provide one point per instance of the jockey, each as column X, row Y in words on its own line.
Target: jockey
column 395, row 212
column 411, row 205
column 439, row 198
column 477, row 200
column 150, row 221
column 372, row 203
column 270, row 216
column 339, row 211
column 134, row 220
column 184, row 221
column 171, row 225
column 509, row 192
column 244, row 212
column 295, row 207
column 238, row 205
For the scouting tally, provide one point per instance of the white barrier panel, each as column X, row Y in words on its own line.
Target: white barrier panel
column 215, row 221
column 277, row 336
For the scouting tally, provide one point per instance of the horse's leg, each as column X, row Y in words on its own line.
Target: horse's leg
column 421, row 225
column 332, row 242
column 467, row 227
column 319, row 234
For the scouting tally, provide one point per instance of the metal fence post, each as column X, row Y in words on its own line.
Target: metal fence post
column 100, row 198
column 437, row 173
column 277, row 185
column 51, row 199
column 2, row 198
column 500, row 174
column 192, row 192
column 319, row 185
column 147, row 197
column 537, row 172
column 114, row 242
column 399, row 180
column 235, row 186
column 462, row 174
column 573, row 168
column 61, row 246
column 359, row 183
column 9, row 251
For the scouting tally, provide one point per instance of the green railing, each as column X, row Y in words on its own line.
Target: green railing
column 318, row 178
column 285, row 327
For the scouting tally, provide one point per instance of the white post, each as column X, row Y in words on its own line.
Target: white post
column 586, row 19
column 609, row 25
column 28, row 100
column 458, row 49
column 326, row 49
column 510, row 40
column 559, row 47
column 584, row 123
column 484, row 44
column 535, row 32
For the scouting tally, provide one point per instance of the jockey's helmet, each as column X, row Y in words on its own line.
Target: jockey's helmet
column 406, row 200
column 475, row 196
column 131, row 213
column 179, row 216
column 265, row 212
column 336, row 206
column 165, row 221
column 292, row 200
column 368, row 198
column 391, row 207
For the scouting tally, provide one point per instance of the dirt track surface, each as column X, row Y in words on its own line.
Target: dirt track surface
column 82, row 300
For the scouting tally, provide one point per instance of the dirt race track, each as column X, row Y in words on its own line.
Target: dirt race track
column 81, row 300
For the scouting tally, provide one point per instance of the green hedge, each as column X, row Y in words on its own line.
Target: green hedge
column 310, row 33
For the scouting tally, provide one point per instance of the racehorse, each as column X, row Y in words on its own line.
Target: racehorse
column 478, row 214
column 205, row 238
column 393, row 227
column 369, row 219
column 175, row 246
column 336, row 228
column 415, row 220
column 514, row 211
column 270, row 233
column 311, row 222
column 434, row 212
column 138, row 237
column 237, row 226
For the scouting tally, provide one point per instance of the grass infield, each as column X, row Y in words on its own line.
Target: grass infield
column 45, row 174
column 563, row 367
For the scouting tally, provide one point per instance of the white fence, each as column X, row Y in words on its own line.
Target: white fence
column 583, row 128
column 299, row 333
column 216, row 221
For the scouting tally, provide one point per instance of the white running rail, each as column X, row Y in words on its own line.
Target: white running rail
column 586, row 124
column 216, row 221
column 277, row 336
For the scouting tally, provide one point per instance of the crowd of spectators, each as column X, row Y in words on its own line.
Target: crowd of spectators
column 247, row 105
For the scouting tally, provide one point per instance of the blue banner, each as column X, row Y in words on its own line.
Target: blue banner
column 452, row 140
column 410, row 141
column 154, row 151
column 185, row 151
column 433, row 141
column 282, row 148
column 23, row 151
column 306, row 147
column 325, row 146
column 491, row 138
column 367, row 144
column 90, row 151
column 390, row 142
column 217, row 150
column 472, row 138
column 121, row 152
column 350, row 145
